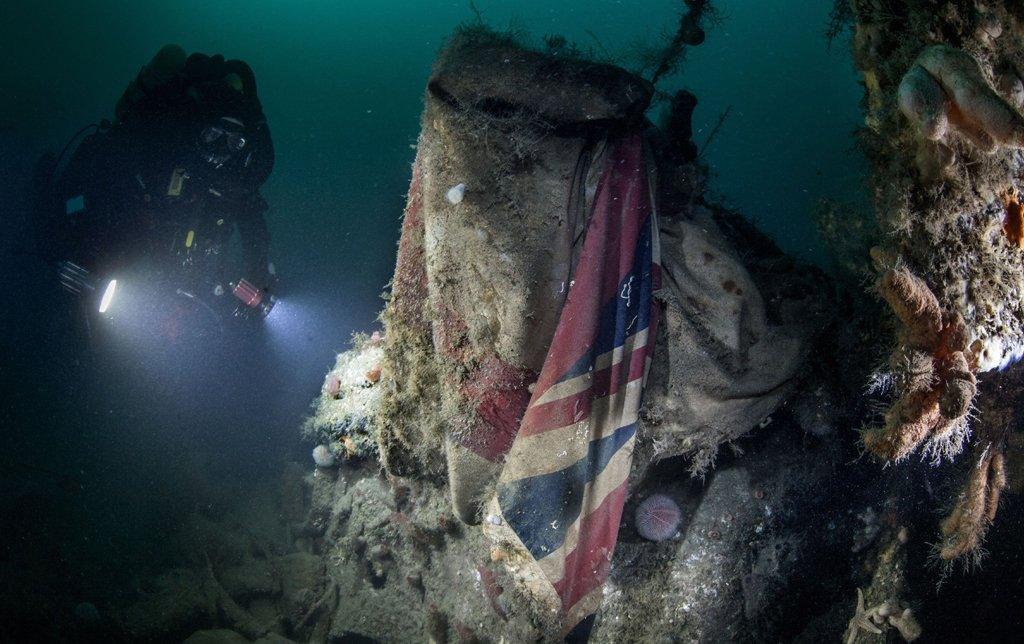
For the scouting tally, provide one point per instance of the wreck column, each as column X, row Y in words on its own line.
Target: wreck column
column 943, row 93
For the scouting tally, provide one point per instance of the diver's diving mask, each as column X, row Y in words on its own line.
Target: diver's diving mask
column 222, row 141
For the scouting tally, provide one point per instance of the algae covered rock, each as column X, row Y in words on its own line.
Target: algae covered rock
column 344, row 414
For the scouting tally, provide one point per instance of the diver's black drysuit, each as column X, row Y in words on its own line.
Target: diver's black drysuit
column 176, row 173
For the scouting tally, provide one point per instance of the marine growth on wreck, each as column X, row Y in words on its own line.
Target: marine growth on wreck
column 738, row 324
column 598, row 400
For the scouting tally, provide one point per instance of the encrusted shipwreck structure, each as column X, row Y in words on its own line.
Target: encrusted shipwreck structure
column 513, row 147
column 481, row 279
column 944, row 93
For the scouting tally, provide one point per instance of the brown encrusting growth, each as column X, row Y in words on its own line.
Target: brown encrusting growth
column 976, row 508
column 943, row 126
column 1013, row 220
column 937, row 384
column 992, row 466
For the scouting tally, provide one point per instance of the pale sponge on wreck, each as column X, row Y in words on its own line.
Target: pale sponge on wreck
column 946, row 89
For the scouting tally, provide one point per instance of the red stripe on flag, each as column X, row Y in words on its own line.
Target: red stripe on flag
column 610, row 380
column 605, row 260
column 576, row 407
column 557, row 413
column 501, row 396
column 586, row 567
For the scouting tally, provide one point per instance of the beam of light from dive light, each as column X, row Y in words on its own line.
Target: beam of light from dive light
column 108, row 296
column 290, row 324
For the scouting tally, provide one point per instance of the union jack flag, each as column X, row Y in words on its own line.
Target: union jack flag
column 561, row 492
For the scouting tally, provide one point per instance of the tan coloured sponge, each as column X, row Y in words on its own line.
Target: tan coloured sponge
column 945, row 89
column 938, row 384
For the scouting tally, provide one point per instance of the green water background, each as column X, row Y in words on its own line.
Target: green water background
column 342, row 85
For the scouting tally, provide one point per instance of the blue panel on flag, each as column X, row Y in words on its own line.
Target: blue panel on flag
column 629, row 308
column 540, row 508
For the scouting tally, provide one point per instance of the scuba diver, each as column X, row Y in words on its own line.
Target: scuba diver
column 166, row 186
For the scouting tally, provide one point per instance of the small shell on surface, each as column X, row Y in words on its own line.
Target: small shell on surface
column 456, row 194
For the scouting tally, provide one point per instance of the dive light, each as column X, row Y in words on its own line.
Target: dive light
column 108, row 296
column 77, row 280
column 253, row 298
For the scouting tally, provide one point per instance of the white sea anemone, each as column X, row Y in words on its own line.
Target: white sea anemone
column 322, row 456
column 456, row 194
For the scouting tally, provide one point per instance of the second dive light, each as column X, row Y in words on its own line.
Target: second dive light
column 253, row 298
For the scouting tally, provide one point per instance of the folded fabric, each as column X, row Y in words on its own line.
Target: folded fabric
column 561, row 491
